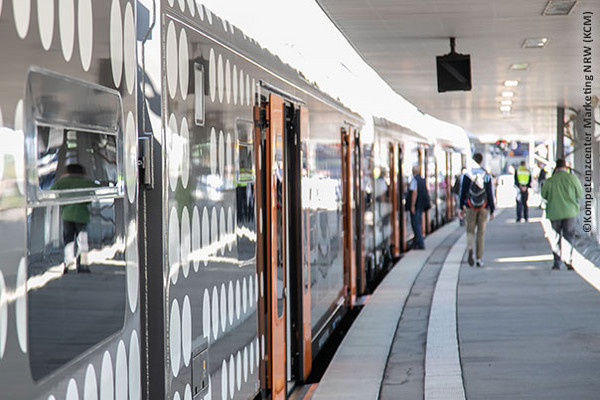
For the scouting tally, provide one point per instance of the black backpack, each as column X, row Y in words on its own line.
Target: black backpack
column 477, row 196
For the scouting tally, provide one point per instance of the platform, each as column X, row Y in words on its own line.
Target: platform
column 437, row 328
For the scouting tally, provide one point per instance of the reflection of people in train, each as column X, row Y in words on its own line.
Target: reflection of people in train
column 75, row 218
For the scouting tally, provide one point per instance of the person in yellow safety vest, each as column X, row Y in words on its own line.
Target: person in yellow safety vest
column 523, row 183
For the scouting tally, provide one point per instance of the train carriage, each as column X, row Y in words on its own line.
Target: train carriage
column 183, row 215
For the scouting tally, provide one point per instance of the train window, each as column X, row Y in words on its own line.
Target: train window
column 65, row 154
column 199, row 93
column 76, row 218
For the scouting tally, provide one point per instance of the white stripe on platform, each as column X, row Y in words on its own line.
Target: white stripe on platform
column 443, row 372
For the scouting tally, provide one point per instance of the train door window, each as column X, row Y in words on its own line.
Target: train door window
column 76, row 276
column 199, row 93
column 278, row 175
column 244, row 188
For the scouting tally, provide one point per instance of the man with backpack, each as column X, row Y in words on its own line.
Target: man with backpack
column 476, row 204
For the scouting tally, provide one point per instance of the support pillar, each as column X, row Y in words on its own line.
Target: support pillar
column 560, row 132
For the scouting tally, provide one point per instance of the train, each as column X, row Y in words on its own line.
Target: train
column 183, row 215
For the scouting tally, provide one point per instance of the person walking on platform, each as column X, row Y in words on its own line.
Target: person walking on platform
column 477, row 205
column 417, row 202
column 562, row 191
column 523, row 183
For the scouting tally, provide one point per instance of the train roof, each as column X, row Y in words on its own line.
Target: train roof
column 343, row 80
column 236, row 40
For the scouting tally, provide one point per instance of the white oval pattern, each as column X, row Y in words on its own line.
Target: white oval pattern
column 185, row 242
column 223, row 307
column 3, row 315
column 206, row 315
column 250, row 292
column 212, row 75
column 227, row 81
column 132, row 266
column 205, row 236
column 174, row 152
column 184, row 64
column 238, row 300
column 184, row 137
column 130, row 157
column 171, row 60
column 121, row 378
column 66, row 27
column 214, row 231
column 85, row 31
column 238, row 369
column 22, row 13
column 186, row 331
column 215, row 313
column 231, row 376
column 224, row 380
column 221, row 154
column 244, row 296
column 241, row 87
column 195, row 238
column 230, row 229
column 175, row 338
column 45, row 11
column 107, row 387
column 21, row 305
column 251, row 360
column 72, row 393
column 116, row 42
column 230, row 302
column 234, row 84
column 245, row 364
column 135, row 382
column 174, row 255
column 220, row 78
column 90, row 387
column 222, row 230
column 213, row 151
column 129, row 50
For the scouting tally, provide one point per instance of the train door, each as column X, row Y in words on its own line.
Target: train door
column 400, row 193
column 285, row 315
column 393, row 157
column 359, row 212
column 348, row 207
column 449, row 195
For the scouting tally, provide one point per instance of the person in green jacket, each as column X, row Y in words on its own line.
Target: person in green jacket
column 562, row 191
column 75, row 217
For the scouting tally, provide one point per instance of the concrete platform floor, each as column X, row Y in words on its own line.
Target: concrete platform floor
column 525, row 331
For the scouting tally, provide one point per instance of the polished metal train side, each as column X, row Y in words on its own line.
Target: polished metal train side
column 69, row 288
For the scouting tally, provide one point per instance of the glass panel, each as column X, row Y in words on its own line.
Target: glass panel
column 278, row 168
column 76, row 280
column 71, row 160
column 244, row 188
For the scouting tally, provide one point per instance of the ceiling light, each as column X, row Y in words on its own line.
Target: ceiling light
column 506, row 102
column 507, row 94
column 535, row 43
column 505, row 108
column 519, row 66
column 511, row 83
column 559, row 7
